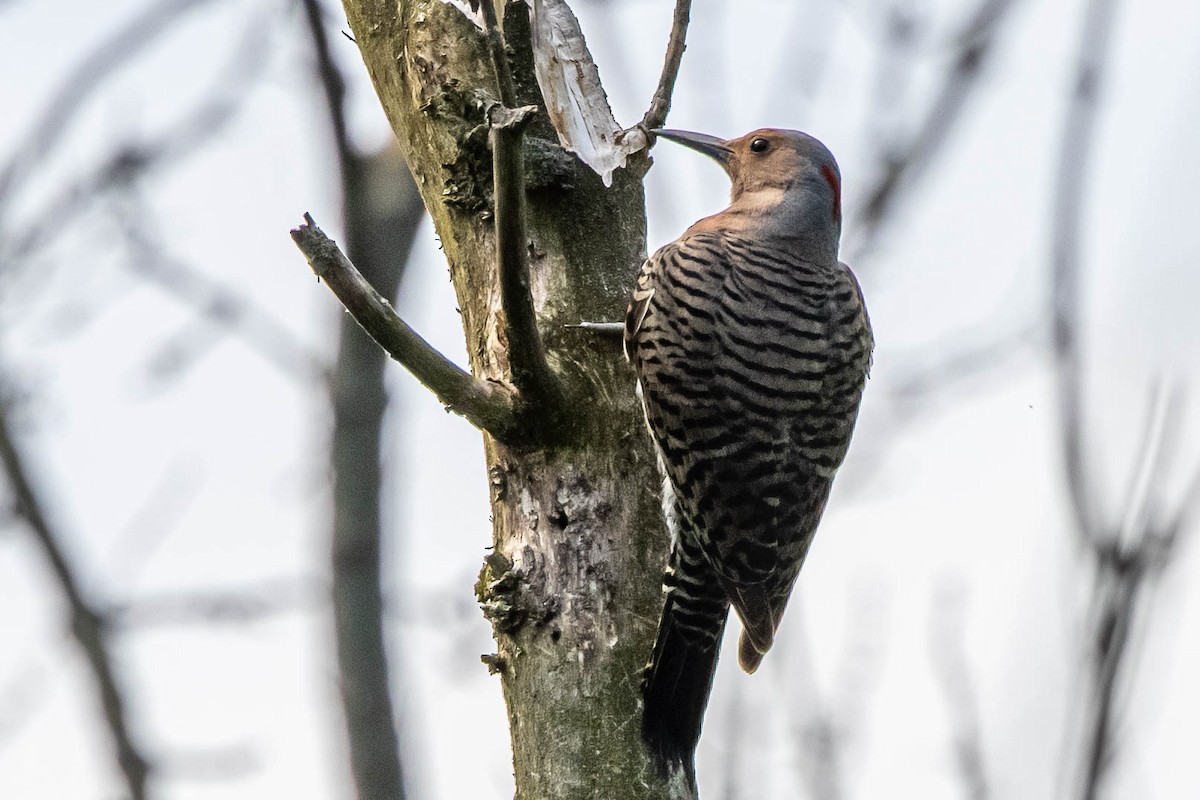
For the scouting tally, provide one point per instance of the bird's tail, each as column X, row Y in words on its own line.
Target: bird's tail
column 679, row 677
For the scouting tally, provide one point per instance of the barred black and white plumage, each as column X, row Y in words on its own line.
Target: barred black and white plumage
column 751, row 345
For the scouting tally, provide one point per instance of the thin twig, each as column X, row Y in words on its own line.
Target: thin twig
column 439, row 611
column 811, row 37
column 235, row 606
column 1074, row 153
column 895, row 68
column 950, row 665
column 656, row 115
column 87, row 625
column 130, row 161
column 1127, row 566
column 815, row 732
column 1149, row 466
column 1120, row 567
column 217, row 303
column 908, row 162
column 91, row 73
column 485, row 405
column 958, row 361
column 1187, row 511
column 499, row 52
column 1116, row 599
column 333, row 85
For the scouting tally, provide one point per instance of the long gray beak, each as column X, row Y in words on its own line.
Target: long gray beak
column 711, row 146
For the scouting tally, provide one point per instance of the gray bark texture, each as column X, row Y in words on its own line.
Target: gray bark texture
column 572, row 584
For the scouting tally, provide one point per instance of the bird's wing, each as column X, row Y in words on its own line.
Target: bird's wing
column 643, row 293
column 787, row 373
column 862, row 304
column 742, row 374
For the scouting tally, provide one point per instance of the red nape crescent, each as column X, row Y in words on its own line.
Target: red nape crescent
column 836, row 184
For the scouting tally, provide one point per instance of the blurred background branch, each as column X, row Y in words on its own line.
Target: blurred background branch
column 1122, row 561
column 949, row 656
column 906, row 162
column 85, row 80
column 381, row 213
column 89, row 628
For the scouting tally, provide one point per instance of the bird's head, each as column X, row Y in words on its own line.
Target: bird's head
column 787, row 178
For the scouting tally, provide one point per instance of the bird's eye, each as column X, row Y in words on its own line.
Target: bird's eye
column 759, row 145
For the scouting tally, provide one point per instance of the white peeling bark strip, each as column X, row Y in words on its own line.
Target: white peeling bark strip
column 575, row 99
column 465, row 7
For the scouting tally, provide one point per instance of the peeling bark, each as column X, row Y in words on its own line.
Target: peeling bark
column 574, row 96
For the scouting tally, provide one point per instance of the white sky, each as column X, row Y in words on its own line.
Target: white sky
column 950, row 508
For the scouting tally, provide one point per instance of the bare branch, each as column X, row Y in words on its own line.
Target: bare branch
column 1115, row 601
column 958, row 361
column 235, row 606
column 531, row 374
column 1120, row 561
column 380, row 239
column 811, row 724
column 489, row 407
column 1185, row 515
column 21, row 691
column 87, row 625
column 439, row 610
column 333, row 85
column 1147, row 474
column 905, row 165
column 90, row 74
column 131, row 161
column 496, row 46
column 218, row 304
column 895, row 68
column 950, row 665
column 153, row 521
column 1127, row 565
column 799, row 74
column 656, row 115
column 1074, row 152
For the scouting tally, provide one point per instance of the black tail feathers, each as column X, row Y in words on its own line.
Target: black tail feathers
column 676, row 687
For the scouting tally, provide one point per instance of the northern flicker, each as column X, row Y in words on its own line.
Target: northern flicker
column 751, row 345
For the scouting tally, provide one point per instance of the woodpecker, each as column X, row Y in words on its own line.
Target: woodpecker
column 751, row 345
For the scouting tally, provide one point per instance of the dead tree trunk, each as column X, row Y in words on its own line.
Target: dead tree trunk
column 572, row 586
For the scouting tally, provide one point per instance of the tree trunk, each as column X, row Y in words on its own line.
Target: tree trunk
column 572, row 587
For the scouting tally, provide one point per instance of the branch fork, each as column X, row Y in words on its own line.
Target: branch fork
column 532, row 408
column 488, row 405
